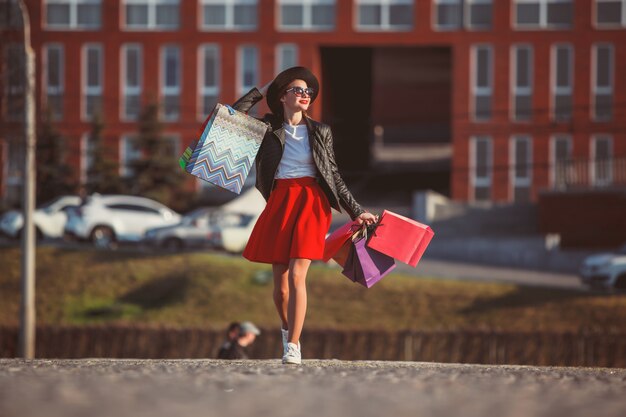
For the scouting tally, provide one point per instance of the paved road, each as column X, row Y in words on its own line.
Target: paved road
column 475, row 272
column 155, row 388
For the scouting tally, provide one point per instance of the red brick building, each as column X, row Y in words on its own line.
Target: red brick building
column 487, row 100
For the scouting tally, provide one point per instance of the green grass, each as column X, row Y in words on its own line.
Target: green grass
column 210, row 290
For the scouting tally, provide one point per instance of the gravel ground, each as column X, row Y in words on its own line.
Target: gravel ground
column 119, row 387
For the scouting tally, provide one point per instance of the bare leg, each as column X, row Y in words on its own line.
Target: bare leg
column 281, row 291
column 296, row 311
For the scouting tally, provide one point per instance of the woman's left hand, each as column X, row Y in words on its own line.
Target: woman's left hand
column 368, row 218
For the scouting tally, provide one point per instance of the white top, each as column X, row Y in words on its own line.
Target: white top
column 297, row 160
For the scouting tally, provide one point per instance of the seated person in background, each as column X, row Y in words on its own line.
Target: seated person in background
column 231, row 335
column 247, row 334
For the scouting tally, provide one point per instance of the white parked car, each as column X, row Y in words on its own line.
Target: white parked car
column 235, row 237
column 49, row 219
column 605, row 270
column 107, row 219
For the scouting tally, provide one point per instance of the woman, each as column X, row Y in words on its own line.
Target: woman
column 298, row 176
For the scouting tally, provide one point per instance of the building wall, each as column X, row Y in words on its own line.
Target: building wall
column 501, row 37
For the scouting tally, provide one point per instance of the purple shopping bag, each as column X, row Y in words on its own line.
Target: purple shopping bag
column 365, row 265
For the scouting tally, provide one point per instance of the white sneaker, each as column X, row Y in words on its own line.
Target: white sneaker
column 292, row 354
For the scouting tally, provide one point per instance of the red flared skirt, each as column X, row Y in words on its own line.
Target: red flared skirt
column 293, row 224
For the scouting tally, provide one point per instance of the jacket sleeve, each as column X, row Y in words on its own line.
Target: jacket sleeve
column 248, row 100
column 347, row 201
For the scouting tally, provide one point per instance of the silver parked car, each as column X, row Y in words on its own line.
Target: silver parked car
column 196, row 229
column 605, row 270
column 107, row 219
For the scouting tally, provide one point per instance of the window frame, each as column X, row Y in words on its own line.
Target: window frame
column 556, row 90
column 203, row 89
column 465, row 23
column 279, row 64
column 516, row 90
column 86, row 90
column 307, row 16
column 125, row 90
column 473, row 166
column 241, row 88
column 475, row 90
column 602, row 90
column 554, row 138
column 599, row 25
column 543, row 16
column 593, row 172
column 48, row 90
column 73, row 17
column 164, row 89
column 151, row 18
column 229, row 16
column 515, row 181
column 385, row 25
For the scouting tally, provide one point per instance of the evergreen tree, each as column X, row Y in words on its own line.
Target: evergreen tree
column 156, row 174
column 55, row 177
column 103, row 172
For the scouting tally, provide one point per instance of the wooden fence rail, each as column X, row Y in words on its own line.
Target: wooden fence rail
column 486, row 347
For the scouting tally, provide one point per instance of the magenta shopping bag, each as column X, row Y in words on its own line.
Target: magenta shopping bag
column 366, row 265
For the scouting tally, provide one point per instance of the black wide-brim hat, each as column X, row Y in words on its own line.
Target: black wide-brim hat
column 282, row 80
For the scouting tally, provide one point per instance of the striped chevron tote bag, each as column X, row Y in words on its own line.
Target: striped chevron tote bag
column 225, row 152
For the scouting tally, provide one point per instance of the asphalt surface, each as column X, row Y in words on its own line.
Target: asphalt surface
column 476, row 272
column 113, row 387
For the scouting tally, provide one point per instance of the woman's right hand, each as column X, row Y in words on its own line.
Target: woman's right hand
column 264, row 89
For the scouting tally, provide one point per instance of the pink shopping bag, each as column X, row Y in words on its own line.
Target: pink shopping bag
column 337, row 239
column 401, row 238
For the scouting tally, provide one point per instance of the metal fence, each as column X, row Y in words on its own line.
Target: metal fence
column 606, row 349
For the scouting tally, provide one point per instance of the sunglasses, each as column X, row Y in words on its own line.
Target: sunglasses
column 299, row 91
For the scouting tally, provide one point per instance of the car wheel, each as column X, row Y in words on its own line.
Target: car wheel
column 620, row 282
column 173, row 244
column 103, row 237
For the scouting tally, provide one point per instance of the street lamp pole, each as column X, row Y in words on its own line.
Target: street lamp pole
column 27, row 311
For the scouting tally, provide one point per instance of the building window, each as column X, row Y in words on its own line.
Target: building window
column 602, row 81
column 152, row 14
column 92, row 80
column 561, row 82
column 53, row 80
column 15, row 84
column 601, row 160
column 286, row 56
column 521, row 167
column 522, row 82
column 210, row 78
column 384, row 14
column 131, row 81
column 544, row 14
column 229, row 14
column 73, row 14
column 481, row 157
column 10, row 15
column 248, row 68
column 482, row 82
column 129, row 153
column 307, row 14
column 170, row 82
column 560, row 159
column 87, row 153
column 610, row 13
column 456, row 14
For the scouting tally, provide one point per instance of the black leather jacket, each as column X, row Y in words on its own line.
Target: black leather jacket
column 321, row 141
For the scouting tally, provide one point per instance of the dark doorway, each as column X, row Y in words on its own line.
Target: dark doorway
column 391, row 113
column 347, row 98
